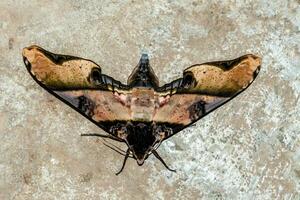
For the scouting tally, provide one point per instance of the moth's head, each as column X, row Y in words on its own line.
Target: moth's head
column 143, row 74
column 142, row 139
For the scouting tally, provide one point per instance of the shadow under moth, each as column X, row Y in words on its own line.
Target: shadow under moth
column 141, row 114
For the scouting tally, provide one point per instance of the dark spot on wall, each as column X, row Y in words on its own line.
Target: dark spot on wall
column 32, row 157
column 85, row 178
column 11, row 43
column 27, row 178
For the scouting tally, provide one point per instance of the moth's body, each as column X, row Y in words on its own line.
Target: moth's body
column 140, row 113
column 143, row 101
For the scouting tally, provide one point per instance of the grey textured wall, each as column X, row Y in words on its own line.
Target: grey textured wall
column 248, row 149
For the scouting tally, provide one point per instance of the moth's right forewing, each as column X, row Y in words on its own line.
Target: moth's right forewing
column 224, row 78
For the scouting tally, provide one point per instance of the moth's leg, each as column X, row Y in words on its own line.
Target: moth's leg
column 115, row 148
column 103, row 136
column 124, row 162
column 161, row 160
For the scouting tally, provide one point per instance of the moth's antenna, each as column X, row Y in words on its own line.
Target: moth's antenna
column 124, row 162
column 103, row 136
column 161, row 160
column 115, row 148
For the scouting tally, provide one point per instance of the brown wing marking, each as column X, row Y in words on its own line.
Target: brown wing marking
column 97, row 105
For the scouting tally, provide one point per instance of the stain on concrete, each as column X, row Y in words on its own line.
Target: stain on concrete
column 10, row 43
column 27, row 178
column 86, row 177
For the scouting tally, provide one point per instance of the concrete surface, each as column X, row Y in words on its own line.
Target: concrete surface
column 248, row 149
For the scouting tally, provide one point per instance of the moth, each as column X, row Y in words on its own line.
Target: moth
column 142, row 114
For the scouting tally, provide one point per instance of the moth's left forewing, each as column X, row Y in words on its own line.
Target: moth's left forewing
column 205, row 87
column 56, row 72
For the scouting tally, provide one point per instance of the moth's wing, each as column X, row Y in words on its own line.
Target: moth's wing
column 79, row 83
column 202, row 89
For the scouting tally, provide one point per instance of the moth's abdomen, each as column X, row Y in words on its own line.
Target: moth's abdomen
column 142, row 104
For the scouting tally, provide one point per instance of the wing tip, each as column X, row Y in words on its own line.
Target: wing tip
column 28, row 55
column 29, row 48
column 256, row 58
column 255, row 63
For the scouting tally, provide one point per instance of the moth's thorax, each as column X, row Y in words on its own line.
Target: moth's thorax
column 142, row 103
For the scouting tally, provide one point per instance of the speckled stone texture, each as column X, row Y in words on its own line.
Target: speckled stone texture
column 247, row 149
